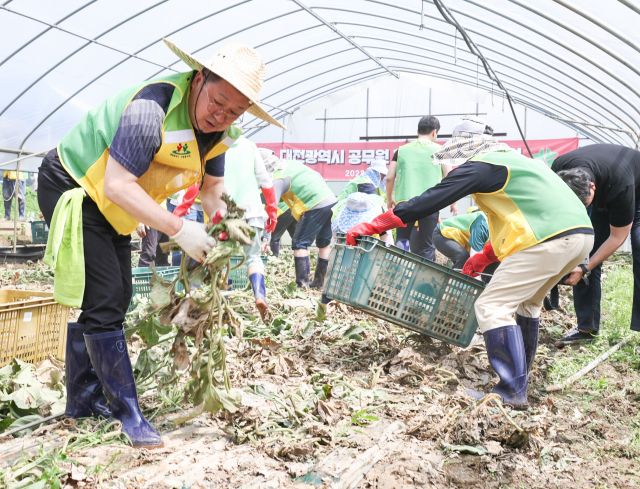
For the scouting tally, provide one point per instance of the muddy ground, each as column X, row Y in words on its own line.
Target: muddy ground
column 353, row 401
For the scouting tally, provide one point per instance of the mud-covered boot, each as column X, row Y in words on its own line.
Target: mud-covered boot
column 259, row 292
column 530, row 328
column 275, row 248
column 110, row 358
column 85, row 398
column 505, row 350
column 302, row 271
column 319, row 274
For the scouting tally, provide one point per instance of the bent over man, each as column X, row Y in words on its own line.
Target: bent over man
column 536, row 245
column 606, row 178
column 123, row 159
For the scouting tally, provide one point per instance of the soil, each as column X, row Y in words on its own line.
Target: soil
column 428, row 432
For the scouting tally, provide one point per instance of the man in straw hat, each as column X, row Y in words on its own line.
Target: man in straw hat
column 536, row 245
column 112, row 171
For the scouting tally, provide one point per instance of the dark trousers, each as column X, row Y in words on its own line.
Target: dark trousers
column 420, row 239
column 107, row 254
column 8, row 187
column 451, row 249
column 315, row 224
column 587, row 299
column 286, row 222
column 151, row 251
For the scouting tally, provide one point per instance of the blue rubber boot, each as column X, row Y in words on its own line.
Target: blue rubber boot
column 403, row 244
column 110, row 358
column 275, row 248
column 530, row 328
column 22, row 207
column 302, row 271
column 505, row 350
column 259, row 292
column 85, row 398
column 319, row 274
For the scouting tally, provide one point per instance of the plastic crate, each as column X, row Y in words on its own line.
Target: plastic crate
column 141, row 278
column 32, row 326
column 39, row 232
column 404, row 289
column 240, row 276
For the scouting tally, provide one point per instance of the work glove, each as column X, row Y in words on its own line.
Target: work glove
column 142, row 230
column 218, row 216
column 384, row 222
column 271, row 208
column 187, row 201
column 478, row 262
column 194, row 240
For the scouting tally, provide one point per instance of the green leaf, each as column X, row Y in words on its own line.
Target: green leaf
column 5, row 423
column 24, row 421
column 151, row 329
column 321, row 312
column 308, row 330
column 354, row 331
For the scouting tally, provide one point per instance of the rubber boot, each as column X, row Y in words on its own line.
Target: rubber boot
column 530, row 328
column 85, row 398
column 324, row 299
column 319, row 274
column 110, row 358
column 403, row 244
column 302, row 271
column 21, row 206
column 259, row 292
column 505, row 350
column 275, row 248
column 7, row 210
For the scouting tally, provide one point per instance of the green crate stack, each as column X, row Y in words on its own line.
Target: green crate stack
column 39, row 232
column 405, row 289
column 240, row 276
column 142, row 276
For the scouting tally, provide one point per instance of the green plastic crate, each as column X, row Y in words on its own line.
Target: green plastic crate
column 39, row 232
column 240, row 276
column 142, row 276
column 404, row 289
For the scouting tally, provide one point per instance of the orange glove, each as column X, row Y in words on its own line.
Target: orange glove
column 271, row 208
column 189, row 197
column 478, row 262
column 384, row 222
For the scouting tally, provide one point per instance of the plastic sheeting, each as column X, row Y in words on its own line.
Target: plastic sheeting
column 576, row 61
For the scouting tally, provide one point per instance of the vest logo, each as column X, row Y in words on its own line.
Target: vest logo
column 182, row 150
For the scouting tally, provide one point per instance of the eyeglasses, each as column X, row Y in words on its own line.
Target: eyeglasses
column 216, row 108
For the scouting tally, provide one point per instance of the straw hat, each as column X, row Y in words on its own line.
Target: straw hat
column 239, row 65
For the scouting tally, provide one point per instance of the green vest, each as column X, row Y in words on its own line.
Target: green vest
column 534, row 205
column 307, row 188
column 84, row 150
column 240, row 174
column 352, row 186
column 415, row 171
column 458, row 228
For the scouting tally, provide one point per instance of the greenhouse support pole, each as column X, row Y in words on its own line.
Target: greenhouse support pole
column 16, row 192
column 367, row 118
column 324, row 133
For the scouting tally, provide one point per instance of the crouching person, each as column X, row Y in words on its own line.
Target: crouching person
column 536, row 245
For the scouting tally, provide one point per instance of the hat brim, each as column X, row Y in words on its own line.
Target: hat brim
column 254, row 109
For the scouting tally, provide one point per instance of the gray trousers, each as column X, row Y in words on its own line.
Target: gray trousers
column 151, row 251
column 420, row 238
column 451, row 249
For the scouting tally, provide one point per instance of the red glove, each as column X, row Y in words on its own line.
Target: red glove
column 271, row 208
column 384, row 222
column 477, row 263
column 187, row 201
column 218, row 216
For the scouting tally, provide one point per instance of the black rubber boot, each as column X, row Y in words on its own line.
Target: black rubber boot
column 319, row 274
column 275, row 248
column 302, row 271
column 85, row 398
column 110, row 358
column 530, row 328
column 505, row 350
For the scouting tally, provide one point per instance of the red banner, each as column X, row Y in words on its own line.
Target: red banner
column 344, row 161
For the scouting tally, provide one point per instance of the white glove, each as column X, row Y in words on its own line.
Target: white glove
column 142, row 230
column 194, row 240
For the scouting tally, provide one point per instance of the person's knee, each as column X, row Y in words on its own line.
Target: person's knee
column 529, row 309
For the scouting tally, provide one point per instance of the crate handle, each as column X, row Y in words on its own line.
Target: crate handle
column 360, row 247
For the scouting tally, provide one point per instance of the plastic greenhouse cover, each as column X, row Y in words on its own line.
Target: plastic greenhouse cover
column 574, row 60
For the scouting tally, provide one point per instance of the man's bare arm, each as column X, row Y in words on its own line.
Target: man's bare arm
column 391, row 179
column 210, row 193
